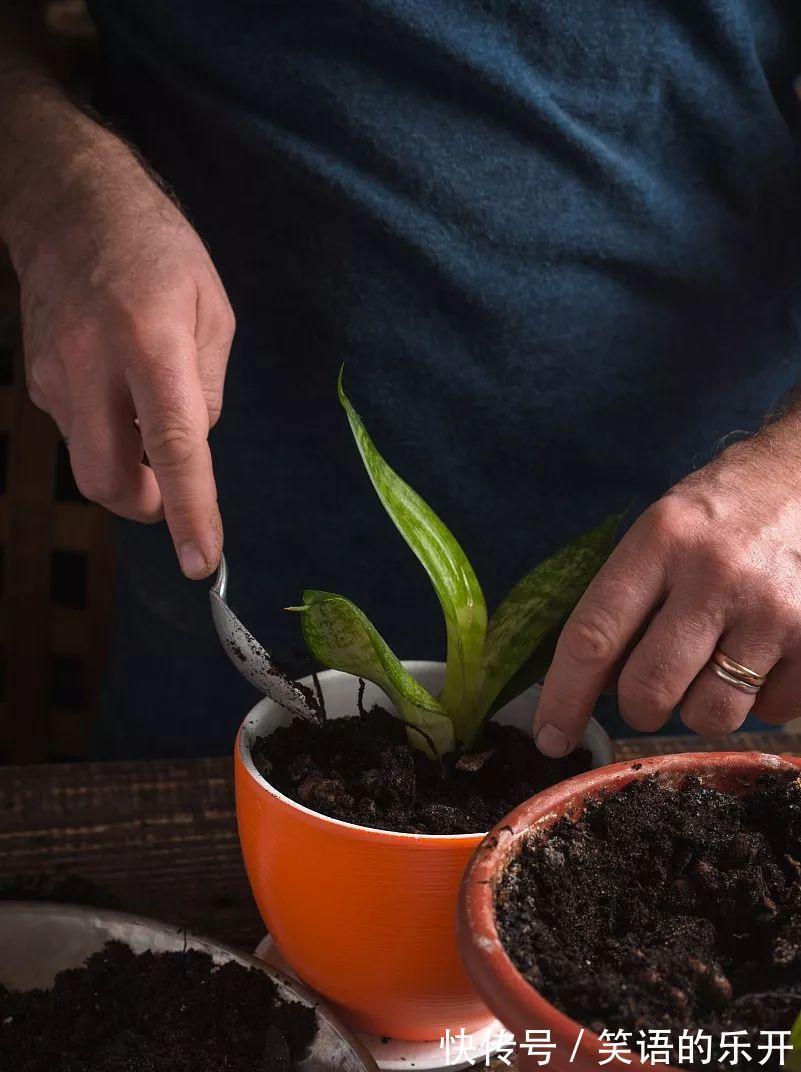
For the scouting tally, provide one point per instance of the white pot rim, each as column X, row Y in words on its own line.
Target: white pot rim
column 412, row 665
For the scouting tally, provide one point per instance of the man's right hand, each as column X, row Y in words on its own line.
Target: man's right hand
column 127, row 331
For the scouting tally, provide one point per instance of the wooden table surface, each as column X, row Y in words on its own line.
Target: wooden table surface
column 159, row 837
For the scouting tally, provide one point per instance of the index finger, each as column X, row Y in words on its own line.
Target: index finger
column 174, row 423
column 595, row 638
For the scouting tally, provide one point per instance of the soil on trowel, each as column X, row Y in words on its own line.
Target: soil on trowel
column 362, row 770
column 165, row 1012
column 666, row 907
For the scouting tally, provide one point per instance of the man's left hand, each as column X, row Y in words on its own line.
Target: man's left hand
column 714, row 564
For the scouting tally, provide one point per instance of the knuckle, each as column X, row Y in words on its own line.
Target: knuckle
column 38, row 399
column 227, row 321
column 38, row 375
column 36, row 391
column 152, row 342
column 171, row 445
column 640, row 690
column 590, row 636
column 213, row 406
column 713, row 715
column 723, row 567
column 145, row 329
column 792, row 623
column 100, row 485
column 75, row 340
column 127, row 318
column 778, row 609
column 667, row 520
column 218, row 327
column 40, row 381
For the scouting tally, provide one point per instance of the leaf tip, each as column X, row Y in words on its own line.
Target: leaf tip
column 298, row 610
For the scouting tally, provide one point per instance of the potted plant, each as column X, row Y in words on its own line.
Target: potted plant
column 356, row 878
column 659, row 896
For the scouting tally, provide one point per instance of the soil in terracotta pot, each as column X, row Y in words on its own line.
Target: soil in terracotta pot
column 362, row 770
column 662, row 907
column 167, row 1012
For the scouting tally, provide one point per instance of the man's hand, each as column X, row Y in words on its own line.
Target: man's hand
column 715, row 563
column 127, row 331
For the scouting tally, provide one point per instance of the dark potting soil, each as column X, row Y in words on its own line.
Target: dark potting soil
column 362, row 770
column 166, row 1012
column 676, row 908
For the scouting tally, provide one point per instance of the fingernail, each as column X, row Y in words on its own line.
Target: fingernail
column 193, row 561
column 552, row 741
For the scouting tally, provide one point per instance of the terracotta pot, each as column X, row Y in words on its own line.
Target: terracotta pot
column 513, row 1000
column 365, row 917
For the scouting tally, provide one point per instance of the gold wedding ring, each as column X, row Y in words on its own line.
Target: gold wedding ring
column 737, row 682
column 745, row 673
column 736, row 674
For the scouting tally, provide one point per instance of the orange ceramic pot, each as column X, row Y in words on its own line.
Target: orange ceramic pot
column 513, row 1000
column 365, row 917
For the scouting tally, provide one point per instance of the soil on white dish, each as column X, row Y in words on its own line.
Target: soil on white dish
column 155, row 1012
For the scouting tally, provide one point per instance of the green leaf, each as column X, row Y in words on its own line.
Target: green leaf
column 530, row 673
column 538, row 604
column 447, row 566
column 793, row 1062
column 340, row 636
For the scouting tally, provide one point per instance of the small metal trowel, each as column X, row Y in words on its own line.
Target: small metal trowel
column 252, row 660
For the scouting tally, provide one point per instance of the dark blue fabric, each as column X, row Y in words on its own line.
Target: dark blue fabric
column 557, row 245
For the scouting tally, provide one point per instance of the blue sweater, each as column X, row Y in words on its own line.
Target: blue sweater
column 556, row 244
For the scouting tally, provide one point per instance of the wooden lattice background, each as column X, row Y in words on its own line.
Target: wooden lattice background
column 55, row 600
column 56, row 576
